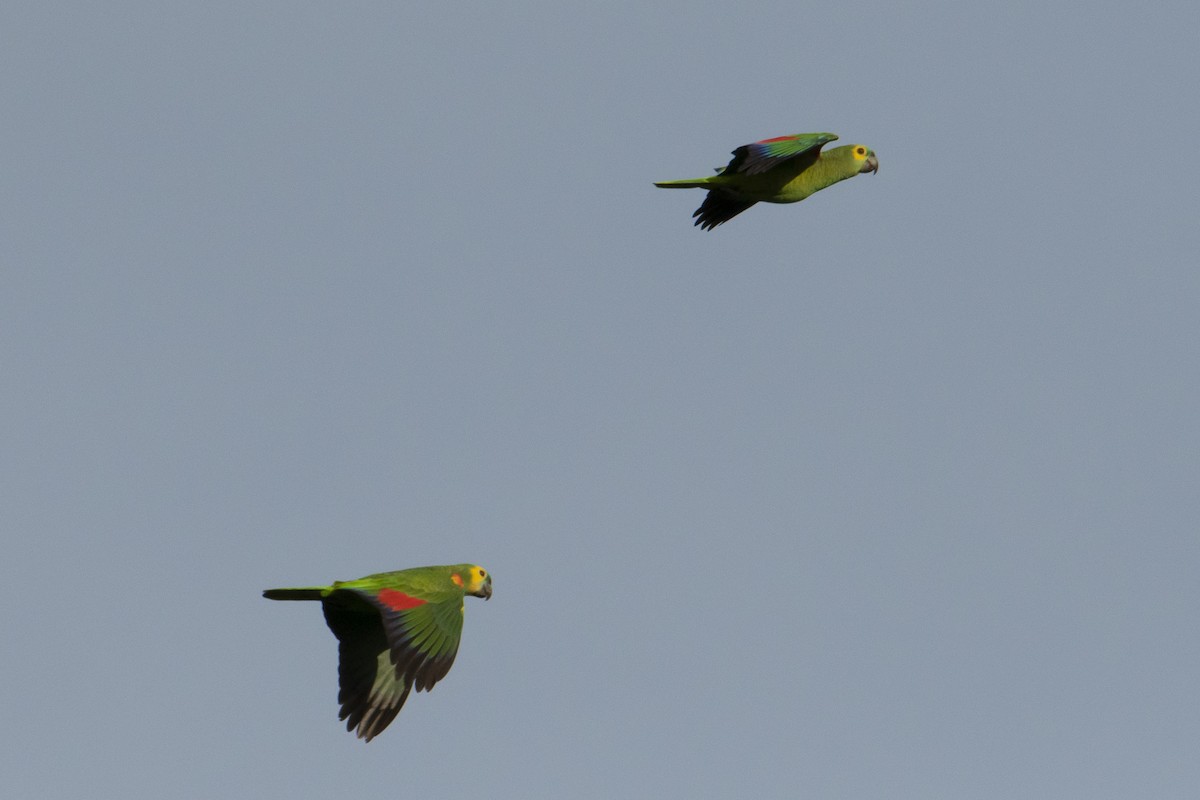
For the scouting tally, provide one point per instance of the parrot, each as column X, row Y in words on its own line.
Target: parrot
column 395, row 630
column 785, row 169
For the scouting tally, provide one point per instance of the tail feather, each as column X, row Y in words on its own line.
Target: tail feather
column 308, row 593
column 691, row 183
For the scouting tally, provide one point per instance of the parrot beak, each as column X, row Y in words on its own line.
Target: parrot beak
column 871, row 164
column 485, row 591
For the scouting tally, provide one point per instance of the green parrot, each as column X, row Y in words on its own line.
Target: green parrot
column 394, row 630
column 785, row 169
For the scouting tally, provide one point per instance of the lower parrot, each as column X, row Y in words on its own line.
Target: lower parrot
column 395, row 630
column 785, row 169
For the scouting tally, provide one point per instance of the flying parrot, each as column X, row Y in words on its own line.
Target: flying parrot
column 785, row 169
column 395, row 630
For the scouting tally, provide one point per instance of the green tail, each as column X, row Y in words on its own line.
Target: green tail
column 313, row 593
column 692, row 183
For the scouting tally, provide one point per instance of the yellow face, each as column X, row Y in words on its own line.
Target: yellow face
column 479, row 582
column 866, row 157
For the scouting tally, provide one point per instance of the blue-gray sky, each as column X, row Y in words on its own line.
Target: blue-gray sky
column 892, row 493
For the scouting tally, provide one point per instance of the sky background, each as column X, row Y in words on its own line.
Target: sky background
column 893, row 493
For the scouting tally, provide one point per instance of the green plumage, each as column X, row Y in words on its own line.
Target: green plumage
column 785, row 169
column 396, row 631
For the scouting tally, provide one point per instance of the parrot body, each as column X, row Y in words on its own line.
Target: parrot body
column 395, row 630
column 785, row 169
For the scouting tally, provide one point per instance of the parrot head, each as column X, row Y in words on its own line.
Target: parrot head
column 479, row 583
column 867, row 156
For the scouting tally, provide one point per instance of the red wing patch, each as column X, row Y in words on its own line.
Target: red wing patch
column 775, row 139
column 398, row 601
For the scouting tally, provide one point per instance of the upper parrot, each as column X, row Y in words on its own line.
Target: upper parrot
column 785, row 169
column 395, row 630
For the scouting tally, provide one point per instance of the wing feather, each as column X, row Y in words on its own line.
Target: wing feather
column 718, row 207
column 758, row 157
column 384, row 652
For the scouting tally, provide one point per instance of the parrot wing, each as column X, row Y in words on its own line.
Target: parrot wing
column 718, row 207
column 390, row 639
column 756, row 158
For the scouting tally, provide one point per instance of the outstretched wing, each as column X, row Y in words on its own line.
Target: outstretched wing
column 756, row 158
column 423, row 634
column 718, row 207
column 368, row 690
column 389, row 642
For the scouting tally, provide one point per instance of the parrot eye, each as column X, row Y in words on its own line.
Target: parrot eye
column 860, row 151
